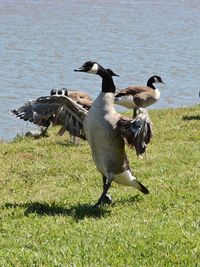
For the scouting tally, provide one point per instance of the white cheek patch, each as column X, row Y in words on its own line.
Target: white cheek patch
column 125, row 101
column 94, row 69
column 155, row 80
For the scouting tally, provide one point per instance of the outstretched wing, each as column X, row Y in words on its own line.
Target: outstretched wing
column 137, row 131
column 58, row 110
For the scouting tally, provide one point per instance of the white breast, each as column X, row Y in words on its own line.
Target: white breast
column 125, row 101
column 157, row 94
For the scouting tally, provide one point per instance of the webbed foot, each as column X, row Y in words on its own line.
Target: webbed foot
column 106, row 199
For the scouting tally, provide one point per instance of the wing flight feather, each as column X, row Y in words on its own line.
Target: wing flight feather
column 58, row 110
column 137, row 131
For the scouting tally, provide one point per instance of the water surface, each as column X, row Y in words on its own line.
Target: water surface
column 41, row 42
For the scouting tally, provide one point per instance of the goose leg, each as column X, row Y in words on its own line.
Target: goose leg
column 74, row 139
column 44, row 131
column 104, row 198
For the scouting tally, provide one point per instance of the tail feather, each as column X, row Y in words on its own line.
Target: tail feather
column 143, row 189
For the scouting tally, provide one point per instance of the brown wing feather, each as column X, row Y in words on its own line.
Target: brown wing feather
column 134, row 90
column 81, row 98
column 58, row 110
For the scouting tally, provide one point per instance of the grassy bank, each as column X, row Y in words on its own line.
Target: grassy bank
column 48, row 187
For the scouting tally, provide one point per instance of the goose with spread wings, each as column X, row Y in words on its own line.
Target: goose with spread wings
column 26, row 111
column 30, row 110
column 105, row 130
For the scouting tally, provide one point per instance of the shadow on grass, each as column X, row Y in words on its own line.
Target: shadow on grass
column 78, row 212
column 31, row 135
column 189, row 118
column 37, row 135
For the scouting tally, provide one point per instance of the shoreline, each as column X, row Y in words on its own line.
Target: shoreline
column 125, row 111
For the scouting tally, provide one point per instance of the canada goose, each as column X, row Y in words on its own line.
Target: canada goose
column 104, row 130
column 78, row 96
column 102, row 127
column 28, row 111
column 139, row 96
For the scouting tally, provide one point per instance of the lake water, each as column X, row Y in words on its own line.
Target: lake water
column 41, row 42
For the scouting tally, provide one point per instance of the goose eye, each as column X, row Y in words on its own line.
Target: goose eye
column 88, row 64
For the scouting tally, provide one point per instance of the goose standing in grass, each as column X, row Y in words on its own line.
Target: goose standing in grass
column 104, row 129
column 139, row 96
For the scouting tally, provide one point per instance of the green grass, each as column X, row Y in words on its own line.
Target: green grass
column 48, row 187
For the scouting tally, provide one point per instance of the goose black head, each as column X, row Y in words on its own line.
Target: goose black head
column 94, row 68
column 53, row 92
column 157, row 79
column 154, row 79
column 65, row 91
column 59, row 92
column 89, row 66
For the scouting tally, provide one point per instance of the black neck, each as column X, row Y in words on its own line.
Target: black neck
column 150, row 83
column 108, row 85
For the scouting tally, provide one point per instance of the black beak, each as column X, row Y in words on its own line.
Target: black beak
column 114, row 74
column 79, row 69
column 161, row 81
